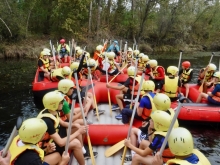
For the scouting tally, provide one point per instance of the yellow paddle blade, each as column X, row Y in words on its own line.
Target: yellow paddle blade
column 123, row 156
column 91, row 151
column 115, row 148
column 109, row 102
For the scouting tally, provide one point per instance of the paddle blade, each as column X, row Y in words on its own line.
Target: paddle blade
column 115, row 148
column 123, row 155
column 201, row 88
column 91, row 151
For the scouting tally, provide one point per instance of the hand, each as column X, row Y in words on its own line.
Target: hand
column 6, row 159
column 83, row 129
column 107, row 85
column 127, row 142
column 65, row 158
column 157, row 160
column 50, row 148
column 122, row 72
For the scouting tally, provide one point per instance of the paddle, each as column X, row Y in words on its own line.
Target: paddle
column 110, row 151
column 84, row 120
column 69, row 127
column 109, row 98
column 135, row 73
column 93, row 91
column 117, row 74
column 201, row 86
column 124, row 60
column 54, row 58
column 170, row 128
column 13, row 134
column 132, row 117
column 181, row 52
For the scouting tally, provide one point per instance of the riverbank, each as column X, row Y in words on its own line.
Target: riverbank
column 31, row 48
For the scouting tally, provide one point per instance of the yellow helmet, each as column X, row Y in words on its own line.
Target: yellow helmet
column 162, row 120
column 92, row 64
column 212, row 67
column 131, row 71
column 45, row 53
column 32, row 130
column 66, row 71
column 79, row 52
column 172, row 70
column 51, row 100
column 111, row 55
column 77, row 48
column 162, row 101
column 87, row 55
column 129, row 49
column 217, row 74
column 99, row 48
column 136, row 53
column 152, row 63
column 148, row 85
column 64, row 85
column 180, row 142
column 140, row 55
column 46, row 49
column 74, row 66
column 145, row 58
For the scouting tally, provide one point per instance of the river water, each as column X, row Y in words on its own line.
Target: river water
column 16, row 97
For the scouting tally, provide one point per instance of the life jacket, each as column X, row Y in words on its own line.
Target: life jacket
column 79, row 78
column 207, row 77
column 62, row 115
column 167, row 154
column 146, row 112
column 55, row 73
column 46, row 139
column 136, row 86
column 171, row 87
column 202, row 160
column 112, row 65
column 216, row 97
column 16, row 150
column 155, row 72
column 46, row 64
column 185, row 75
column 63, row 49
column 100, row 59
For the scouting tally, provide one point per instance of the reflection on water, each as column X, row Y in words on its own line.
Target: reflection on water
column 17, row 100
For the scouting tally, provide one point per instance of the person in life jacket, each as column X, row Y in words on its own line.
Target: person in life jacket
column 53, row 103
column 142, row 61
column 171, row 85
column 145, row 107
column 110, row 65
column 159, row 124
column 181, row 145
column 135, row 56
column 116, row 49
column 63, row 50
column 78, row 54
column 126, row 90
column 44, row 65
column 129, row 56
column 51, row 59
column 25, row 150
column 99, row 50
column 92, row 64
column 185, row 76
column 60, row 73
column 208, row 73
column 156, row 73
column 214, row 96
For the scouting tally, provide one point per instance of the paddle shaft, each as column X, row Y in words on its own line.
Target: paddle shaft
column 69, row 126
column 135, row 73
column 84, row 120
column 181, row 52
column 170, row 128
column 201, row 86
column 13, row 134
column 132, row 117
column 116, row 74
column 54, row 58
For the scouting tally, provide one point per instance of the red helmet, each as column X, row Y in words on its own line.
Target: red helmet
column 62, row 41
column 186, row 64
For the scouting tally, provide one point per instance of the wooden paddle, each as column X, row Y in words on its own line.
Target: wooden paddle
column 135, row 73
column 54, row 57
column 93, row 91
column 69, row 127
column 117, row 73
column 170, row 128
column 181, row 52
column 84, row 120
column 109, row 98
column 201, row 86
column 13, row 134
column 132, row 117
column 110, row 151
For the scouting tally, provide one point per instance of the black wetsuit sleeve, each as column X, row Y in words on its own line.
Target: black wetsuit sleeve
column 28, row 157
column 180, row 72
column 50, row 125
column 127, row 82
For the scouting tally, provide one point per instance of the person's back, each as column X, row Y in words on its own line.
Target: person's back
column 60, row 73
